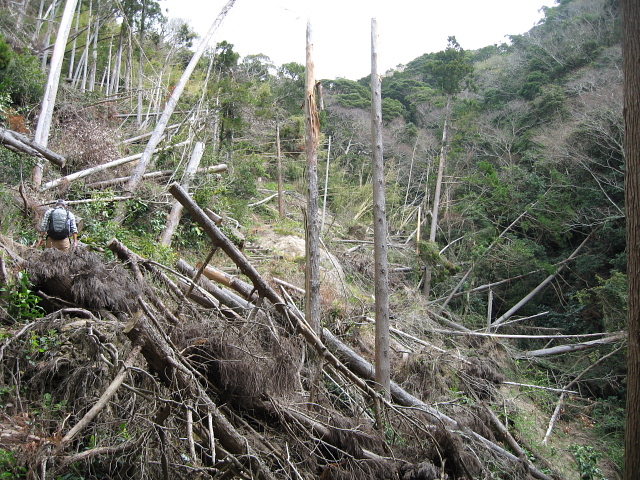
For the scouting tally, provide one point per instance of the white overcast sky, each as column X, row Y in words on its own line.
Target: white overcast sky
column 341, row 29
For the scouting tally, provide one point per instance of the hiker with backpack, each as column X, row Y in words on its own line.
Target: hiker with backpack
column 57, row 226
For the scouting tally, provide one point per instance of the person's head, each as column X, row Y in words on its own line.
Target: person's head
column 61, row 203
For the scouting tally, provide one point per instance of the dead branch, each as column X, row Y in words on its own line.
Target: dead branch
column 289, row 286
column 549, row 389
column 163, row 359
column 101, row 451
column 265, row 200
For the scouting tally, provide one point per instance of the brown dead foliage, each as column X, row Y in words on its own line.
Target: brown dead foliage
column 82, row 278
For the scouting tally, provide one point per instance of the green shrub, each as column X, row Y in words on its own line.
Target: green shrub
column 20, row 303
column 8, row 466
column 586, row 458
column 23, row 80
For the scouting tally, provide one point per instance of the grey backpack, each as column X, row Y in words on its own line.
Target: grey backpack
column 58, row 227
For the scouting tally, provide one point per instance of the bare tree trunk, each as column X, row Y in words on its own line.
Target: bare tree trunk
column 94, row 50
column 176, row 210
column 17, row 142
column 312, row 273
column 312, row 231
column 36, row 32
column 160, row 174
column 53, row 10
column 108, row 69
column 118, row 67
column 141, row 63
column 470, row 270
column 631, row 113
column 21, row 14
column 84, row 58
column 72, row 56
column 51, row 90
column 145, row 160
column 326, row 185
column 383, row 367
column 129, row 67
column 574, row 347
column 281, row 211
column 426, row 288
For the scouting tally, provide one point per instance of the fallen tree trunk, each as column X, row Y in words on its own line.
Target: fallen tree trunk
column 365, row 370
column 159, row 174
column 227, row 280
column 543, row 352
column 226, row 297
column 173, row 218
column 99, row 168
column 18, row 142
column 539, row 288
column 146, row 135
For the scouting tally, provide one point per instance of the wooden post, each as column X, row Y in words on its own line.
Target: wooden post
column 383, row 368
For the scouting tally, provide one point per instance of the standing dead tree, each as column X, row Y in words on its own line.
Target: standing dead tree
column 380, row 243
column 51, row 89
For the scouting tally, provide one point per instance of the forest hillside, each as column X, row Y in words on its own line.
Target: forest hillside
column 173, row 341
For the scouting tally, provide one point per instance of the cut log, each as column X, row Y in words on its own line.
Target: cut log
column 217, row 219
column 226, row 297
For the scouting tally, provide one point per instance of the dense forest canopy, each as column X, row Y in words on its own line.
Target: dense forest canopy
column 532, row 191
